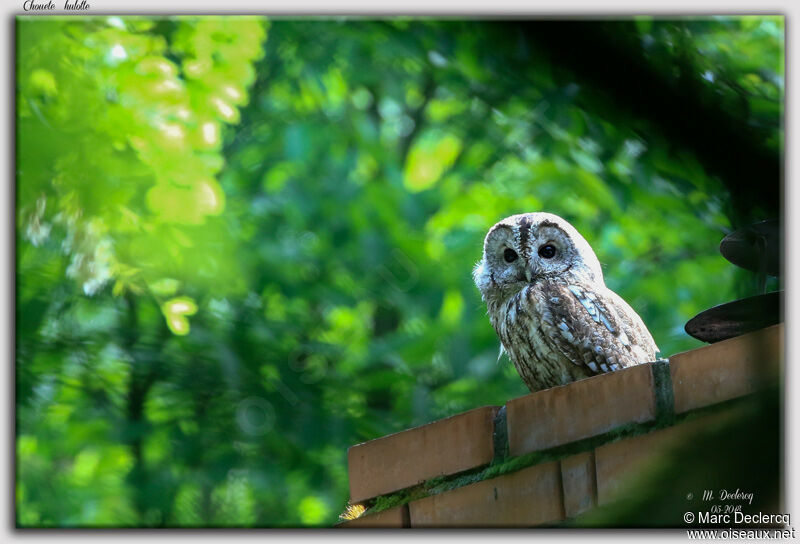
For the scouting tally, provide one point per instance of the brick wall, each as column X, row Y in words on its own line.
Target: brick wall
column 558, row 453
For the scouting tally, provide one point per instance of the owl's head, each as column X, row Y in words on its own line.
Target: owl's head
column 530, row 247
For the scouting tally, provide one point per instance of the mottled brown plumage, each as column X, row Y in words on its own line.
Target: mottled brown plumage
column 552, row 311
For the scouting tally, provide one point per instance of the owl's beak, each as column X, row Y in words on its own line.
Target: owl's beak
column 531, row 273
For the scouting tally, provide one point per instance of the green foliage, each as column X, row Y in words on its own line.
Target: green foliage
column 238, row 257
column 120, row 144
column 740, row 62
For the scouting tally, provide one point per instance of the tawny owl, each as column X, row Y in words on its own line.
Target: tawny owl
column 547, row 300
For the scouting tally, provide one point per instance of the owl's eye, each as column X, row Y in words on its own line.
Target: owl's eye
column 510, row 255
column 547, row 251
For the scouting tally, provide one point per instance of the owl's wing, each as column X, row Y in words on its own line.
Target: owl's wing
column 598, row 328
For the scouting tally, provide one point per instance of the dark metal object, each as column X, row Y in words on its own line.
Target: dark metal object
column 756, row 247
column 735, row 318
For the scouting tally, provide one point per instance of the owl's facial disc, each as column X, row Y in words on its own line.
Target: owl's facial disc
column 550, row 251
column 529, row 248
column 504, row 268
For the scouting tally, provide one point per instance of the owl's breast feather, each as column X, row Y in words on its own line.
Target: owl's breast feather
column 535, row 343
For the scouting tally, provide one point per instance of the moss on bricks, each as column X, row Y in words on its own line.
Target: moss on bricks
column 499, row 467
column 384, row 502
column 441, row 484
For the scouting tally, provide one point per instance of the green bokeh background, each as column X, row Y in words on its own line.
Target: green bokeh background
column 244, row 244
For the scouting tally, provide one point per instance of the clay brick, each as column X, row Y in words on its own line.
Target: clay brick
column 727, row 369
column 581, row 409
column 579, row 483
column 618, row 463
column 409, row 457
column 527, row 497
column 390, row 518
